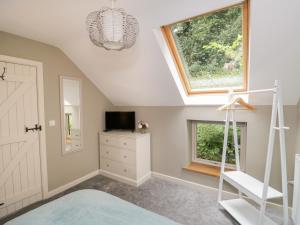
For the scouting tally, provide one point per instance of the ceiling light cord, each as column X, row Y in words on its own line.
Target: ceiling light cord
column 113, row 3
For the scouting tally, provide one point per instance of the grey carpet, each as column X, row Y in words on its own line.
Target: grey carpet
column 181, row 203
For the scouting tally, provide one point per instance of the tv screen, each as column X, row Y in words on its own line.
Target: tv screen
column 119, row 121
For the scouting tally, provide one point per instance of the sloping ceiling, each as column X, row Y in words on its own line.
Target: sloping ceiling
column 140, row 76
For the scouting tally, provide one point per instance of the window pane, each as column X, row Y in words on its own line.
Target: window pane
column 209, row 146
column 211, row 49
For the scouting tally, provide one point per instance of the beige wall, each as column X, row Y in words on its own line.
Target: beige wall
column 171, row 149
column 62, row 169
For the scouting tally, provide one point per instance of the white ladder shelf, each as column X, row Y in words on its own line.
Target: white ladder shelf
column 244, row 212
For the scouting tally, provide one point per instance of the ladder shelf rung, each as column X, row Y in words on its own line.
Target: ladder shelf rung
column 250, row 186
column 284, row 128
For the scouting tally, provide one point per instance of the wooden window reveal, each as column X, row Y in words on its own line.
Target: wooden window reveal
column 181, row 65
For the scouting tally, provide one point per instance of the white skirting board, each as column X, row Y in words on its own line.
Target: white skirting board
column 125, row 179
column 186, row 182
column 197, row 185
column 71, row 184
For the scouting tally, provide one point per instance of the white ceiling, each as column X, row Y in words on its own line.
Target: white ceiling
column 140, row 76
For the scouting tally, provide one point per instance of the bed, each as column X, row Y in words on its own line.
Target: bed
column 90, row 207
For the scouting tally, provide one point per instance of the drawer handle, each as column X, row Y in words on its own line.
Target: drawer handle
column 107, row 152
column 125, row 156
column 2, row 203
column 107, row 165
column 125, row 143
column 125, row 170
column 106, row 140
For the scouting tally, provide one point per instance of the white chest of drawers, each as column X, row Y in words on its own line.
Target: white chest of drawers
column 125, row 156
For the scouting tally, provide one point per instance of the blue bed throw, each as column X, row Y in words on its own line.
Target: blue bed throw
column 90, row 207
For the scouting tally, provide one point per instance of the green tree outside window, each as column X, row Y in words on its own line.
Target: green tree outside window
column 209, row 142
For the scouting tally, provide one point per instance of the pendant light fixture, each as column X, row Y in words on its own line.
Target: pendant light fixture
column 112, row 28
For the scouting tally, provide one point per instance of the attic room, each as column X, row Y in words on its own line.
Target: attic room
column 127, row 112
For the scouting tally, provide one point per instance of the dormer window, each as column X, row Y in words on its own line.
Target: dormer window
column 211, row 50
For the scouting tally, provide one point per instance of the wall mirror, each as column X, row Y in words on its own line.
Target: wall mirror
column 71, row 114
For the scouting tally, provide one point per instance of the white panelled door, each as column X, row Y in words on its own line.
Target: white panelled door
column 20, row 167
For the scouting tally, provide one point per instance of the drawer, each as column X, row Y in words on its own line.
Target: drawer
column 128, row 143
column 127, row 171
column 118, row 168
column 108, row 165
column 123, row 142
column 108, row 140
column 117, row 154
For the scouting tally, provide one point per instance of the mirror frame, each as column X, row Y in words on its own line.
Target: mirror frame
column 62, row 115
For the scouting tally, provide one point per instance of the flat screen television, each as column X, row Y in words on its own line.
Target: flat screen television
column 119, row 121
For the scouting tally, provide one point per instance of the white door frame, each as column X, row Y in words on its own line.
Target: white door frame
column 41, row 114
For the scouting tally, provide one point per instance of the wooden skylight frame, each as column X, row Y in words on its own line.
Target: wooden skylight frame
column 167, row 33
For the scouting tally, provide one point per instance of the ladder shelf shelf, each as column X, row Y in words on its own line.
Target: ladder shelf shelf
column 250, row 186
column 244, row 212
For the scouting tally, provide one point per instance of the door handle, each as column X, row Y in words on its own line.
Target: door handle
column 2, row 203
column 3, row 73
column 36, row 127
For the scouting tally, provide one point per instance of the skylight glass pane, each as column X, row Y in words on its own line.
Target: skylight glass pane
column 211, row 49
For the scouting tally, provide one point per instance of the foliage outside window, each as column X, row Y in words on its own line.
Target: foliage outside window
column 208, row 140
column 211, row 50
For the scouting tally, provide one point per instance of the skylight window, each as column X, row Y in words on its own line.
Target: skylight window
column 211, row 50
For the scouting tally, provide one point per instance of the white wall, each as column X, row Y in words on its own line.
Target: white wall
column 140, row 76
